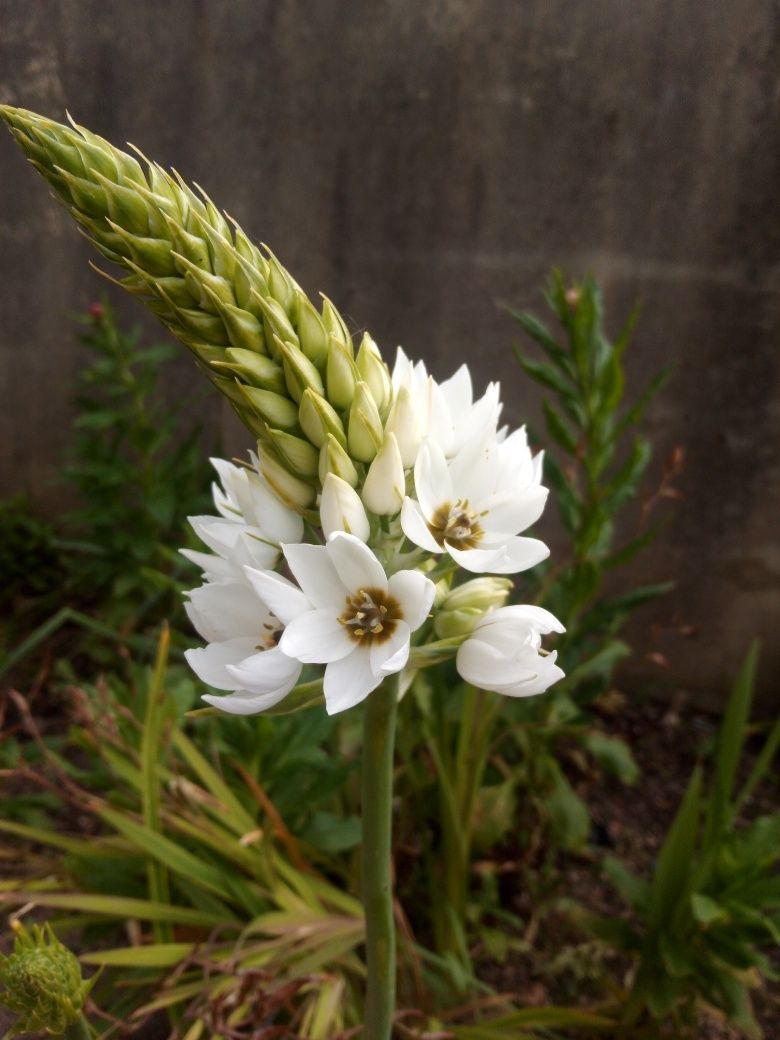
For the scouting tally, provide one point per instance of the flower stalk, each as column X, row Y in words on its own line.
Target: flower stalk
column 377, row 812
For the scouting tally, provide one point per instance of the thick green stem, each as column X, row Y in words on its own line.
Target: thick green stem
column 78, row 1030
column 379, row 738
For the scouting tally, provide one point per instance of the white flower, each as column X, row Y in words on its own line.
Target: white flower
column 444, row 412
column 503, row 652
column 384, row 486
column 346, row 614
column 474, row 507
column 251, row 524
column 242, row 655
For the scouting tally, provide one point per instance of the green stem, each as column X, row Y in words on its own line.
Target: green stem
column 78, row 1030
column 379, row 737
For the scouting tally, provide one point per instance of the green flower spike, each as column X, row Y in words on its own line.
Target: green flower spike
column 43, row 985
column 261, row 341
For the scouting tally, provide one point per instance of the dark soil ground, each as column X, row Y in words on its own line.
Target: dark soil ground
column 630, row 823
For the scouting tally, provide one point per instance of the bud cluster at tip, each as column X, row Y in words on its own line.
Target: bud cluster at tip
column 290, row 371
column 42, row 982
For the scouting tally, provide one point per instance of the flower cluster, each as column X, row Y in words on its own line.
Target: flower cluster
column 419, row 484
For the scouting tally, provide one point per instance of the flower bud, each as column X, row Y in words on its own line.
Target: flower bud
column 404, row 423
column 385, row 484
column 295, row 493
column 318, row 419
column 341, row 374
column 42, row 982
column 312, row 333
column 299, row 372
column 462, row 607
column 256, row 369
column 373, row 371
column 334, row 459
column 275, row 322
column 272, row 408
column 301, row 457
column 341, row 509
column 364, row 429
column 336, row 325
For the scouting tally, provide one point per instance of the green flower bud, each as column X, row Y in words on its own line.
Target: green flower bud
column 364, row 429
column 374, row 372
column 299, row 372
column 318, row 419
column 336, row 325
column 334, row 459
column 43, row 983
column 276, row 323
column 462, row 607
column 341, row 375
column 295, row 493
column 301, row 457
column 256, row 369
column 385, row 485
column 312, row 333
column 272, row 408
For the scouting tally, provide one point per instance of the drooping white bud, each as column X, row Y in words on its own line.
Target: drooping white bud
column 384, row 487
column 341, row 509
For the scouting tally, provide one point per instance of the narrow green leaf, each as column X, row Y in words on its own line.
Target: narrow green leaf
column 123, row 908
column 674, row 864
column 559, row 429
column 157, row 955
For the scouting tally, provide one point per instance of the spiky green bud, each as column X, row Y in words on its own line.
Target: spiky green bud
column 334, row 459
column 42, row 982
column 364, row 431
column 462, row 607
column 318, row 419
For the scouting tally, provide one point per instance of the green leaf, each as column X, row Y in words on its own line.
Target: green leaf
column 612, row 754
column 120, row 907
column 547, row 376
column 568, row 813
column 706, row 910
column 559, row 429
column 635, row 890
column 157, row 955
column 673, row 868
column 541, row 334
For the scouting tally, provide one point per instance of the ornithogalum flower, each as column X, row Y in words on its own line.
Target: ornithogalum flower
column 474, row 506
column 504, row 652
column 251, row 524
column 243, row 654
column 346, row 614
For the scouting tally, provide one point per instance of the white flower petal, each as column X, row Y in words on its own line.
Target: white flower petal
column 508, row 514
column 265, row 671
column 342, row 510
column 392, row 655
column 480, row 561
column 210, row 662
column 313, row 570
column 215, row 568
column 226, row 611
column 525, row 613
column 518, row 554
column 432, row 478
column 316, row 637
column 241, row 703
column 415, row 594
column 415, row 528
column 349, row 681
column 284, row 599
column 355, row 564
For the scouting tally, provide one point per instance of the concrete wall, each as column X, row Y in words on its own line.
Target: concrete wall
column 425, row 164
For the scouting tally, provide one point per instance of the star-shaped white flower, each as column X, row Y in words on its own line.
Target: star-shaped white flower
column 242, row 655
column 504, row 654
column 347, row 614
column 474, row 507
column 251, row 525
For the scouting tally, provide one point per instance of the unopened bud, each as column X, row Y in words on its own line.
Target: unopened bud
column 301, row 457
column 462, row 607
column 373, row 371
column 364, row 429
column 334, row 459
column 297, row 494
column 341, row 374
column 272, row 408
column 341, row 509
column 299, row 372
column 318, row 419
column 255, row 369
column 404, row 423
column 312, row 333
column 336, row 325
column 385, row 485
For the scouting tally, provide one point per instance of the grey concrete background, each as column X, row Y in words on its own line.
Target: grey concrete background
column 425, row 164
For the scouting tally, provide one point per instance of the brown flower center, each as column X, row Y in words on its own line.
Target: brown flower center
column 270, row 636
column 370, row 616
column 456, row 524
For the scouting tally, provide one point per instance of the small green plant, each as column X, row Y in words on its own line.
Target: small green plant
column 702, row 924
column 136, row 473
column 595, row 470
